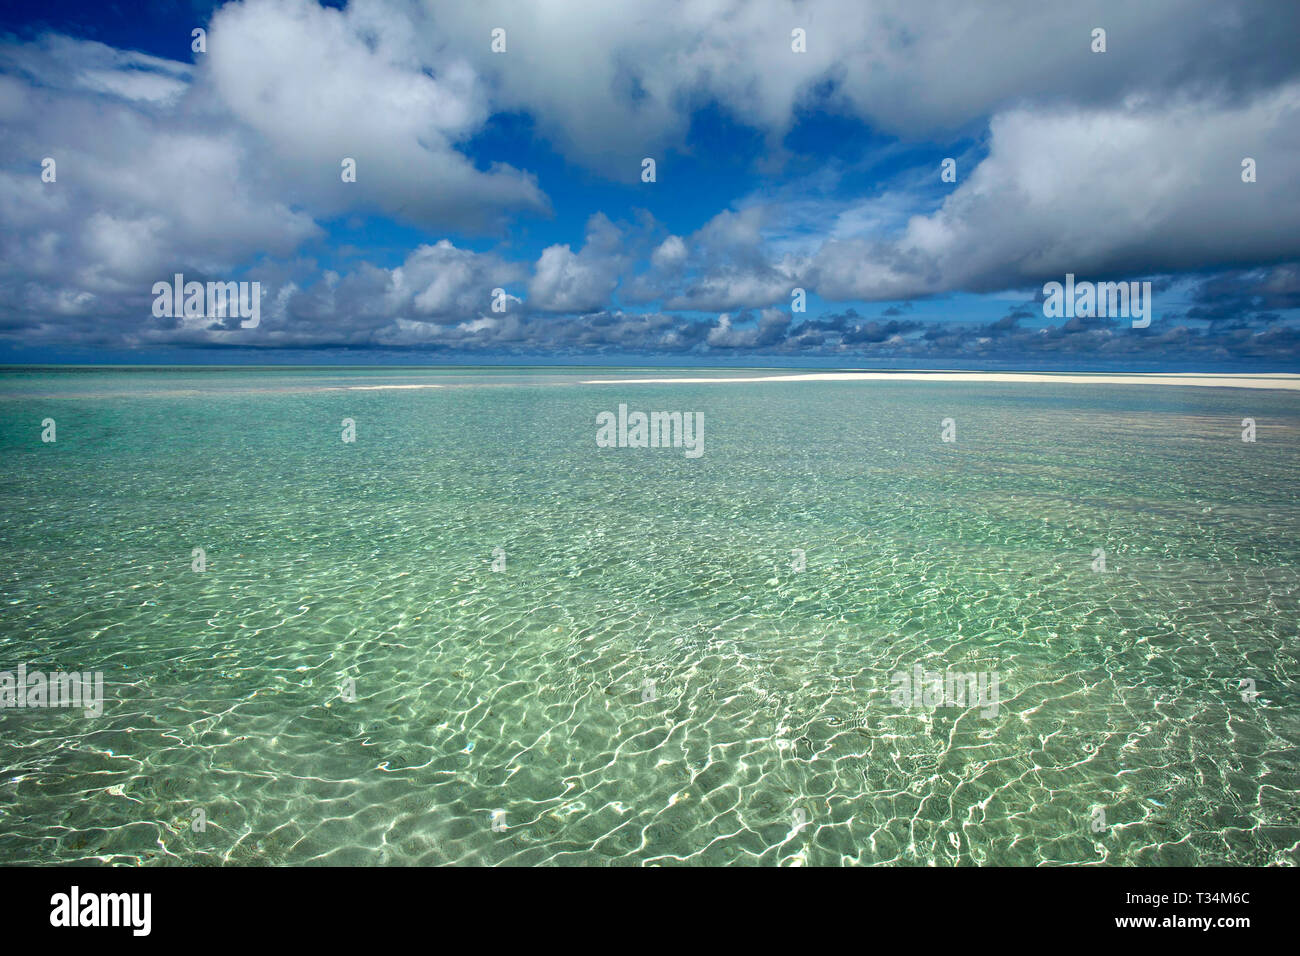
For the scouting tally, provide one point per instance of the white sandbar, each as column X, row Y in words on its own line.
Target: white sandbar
column 1280, row 381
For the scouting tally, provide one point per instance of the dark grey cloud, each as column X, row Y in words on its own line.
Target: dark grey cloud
column 1247, row 296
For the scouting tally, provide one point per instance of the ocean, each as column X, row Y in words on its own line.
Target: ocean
column 871, row 622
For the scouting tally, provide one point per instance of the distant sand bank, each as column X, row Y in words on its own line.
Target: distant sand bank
column 1281, row 381
column 376, row 388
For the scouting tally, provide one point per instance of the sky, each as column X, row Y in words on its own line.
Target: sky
column 798, row 215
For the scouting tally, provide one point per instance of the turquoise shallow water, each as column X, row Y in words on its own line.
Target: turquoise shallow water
column 649, row 680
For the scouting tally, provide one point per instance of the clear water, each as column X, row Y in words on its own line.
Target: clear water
column 769, row 735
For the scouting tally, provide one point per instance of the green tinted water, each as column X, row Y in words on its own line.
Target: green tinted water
column 649, row 679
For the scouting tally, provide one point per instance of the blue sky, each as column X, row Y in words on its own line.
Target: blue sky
column 777, row 169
